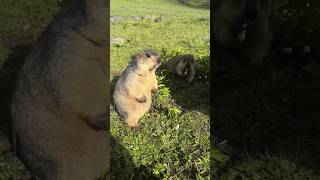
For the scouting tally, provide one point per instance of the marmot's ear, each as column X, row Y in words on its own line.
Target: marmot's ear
column 148, row 54
column 140, row 55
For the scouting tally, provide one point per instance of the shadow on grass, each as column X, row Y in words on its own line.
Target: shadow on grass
column 270, row 110
column 190, row 96
column 123, row 167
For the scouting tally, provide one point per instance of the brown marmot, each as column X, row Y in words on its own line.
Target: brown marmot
column 60, row 104
column 245, row 27
column 183, row 66
column 132, row 94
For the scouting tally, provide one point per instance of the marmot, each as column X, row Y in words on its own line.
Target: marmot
column 244, row 26
column 132, row 94
column 183, row 66
column 60, row 104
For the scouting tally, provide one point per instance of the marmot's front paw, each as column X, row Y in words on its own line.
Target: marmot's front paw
column 142, row 99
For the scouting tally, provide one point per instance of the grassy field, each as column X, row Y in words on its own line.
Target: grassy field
column 173, row 140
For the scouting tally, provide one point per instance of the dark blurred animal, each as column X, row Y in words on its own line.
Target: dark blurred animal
column 183, row 66
column 60, row 103
column 244, row 26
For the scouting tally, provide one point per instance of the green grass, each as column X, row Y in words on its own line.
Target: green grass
column 182, row 27
column 172, row 142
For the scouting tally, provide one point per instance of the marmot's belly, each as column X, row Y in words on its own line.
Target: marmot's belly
column 143, row 107
column 130, row 104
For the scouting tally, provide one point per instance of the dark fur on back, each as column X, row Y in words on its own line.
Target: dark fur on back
column 61, row 96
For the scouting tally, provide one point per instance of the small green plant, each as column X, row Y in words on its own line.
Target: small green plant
column 174, row 112
column 163, row 93
column 203, row 61
column 179, row 51
column 159, row 169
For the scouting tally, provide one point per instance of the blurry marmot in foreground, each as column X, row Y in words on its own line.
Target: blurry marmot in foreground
column 183, row 66
column 244, row 26
column 60, row 104
column 132, row 94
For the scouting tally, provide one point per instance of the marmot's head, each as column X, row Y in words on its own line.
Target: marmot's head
column 186, row 67
column 147, row 60
column 237, row 19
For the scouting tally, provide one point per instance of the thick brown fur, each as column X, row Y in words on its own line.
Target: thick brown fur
column 183, row 66
column 132, row 94
column 244, row 25
column 60, row 103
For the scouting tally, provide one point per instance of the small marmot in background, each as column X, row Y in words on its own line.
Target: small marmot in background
column 132, row 95
column 183, row 66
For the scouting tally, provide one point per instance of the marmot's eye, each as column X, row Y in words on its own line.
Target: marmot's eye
column 148, row 55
